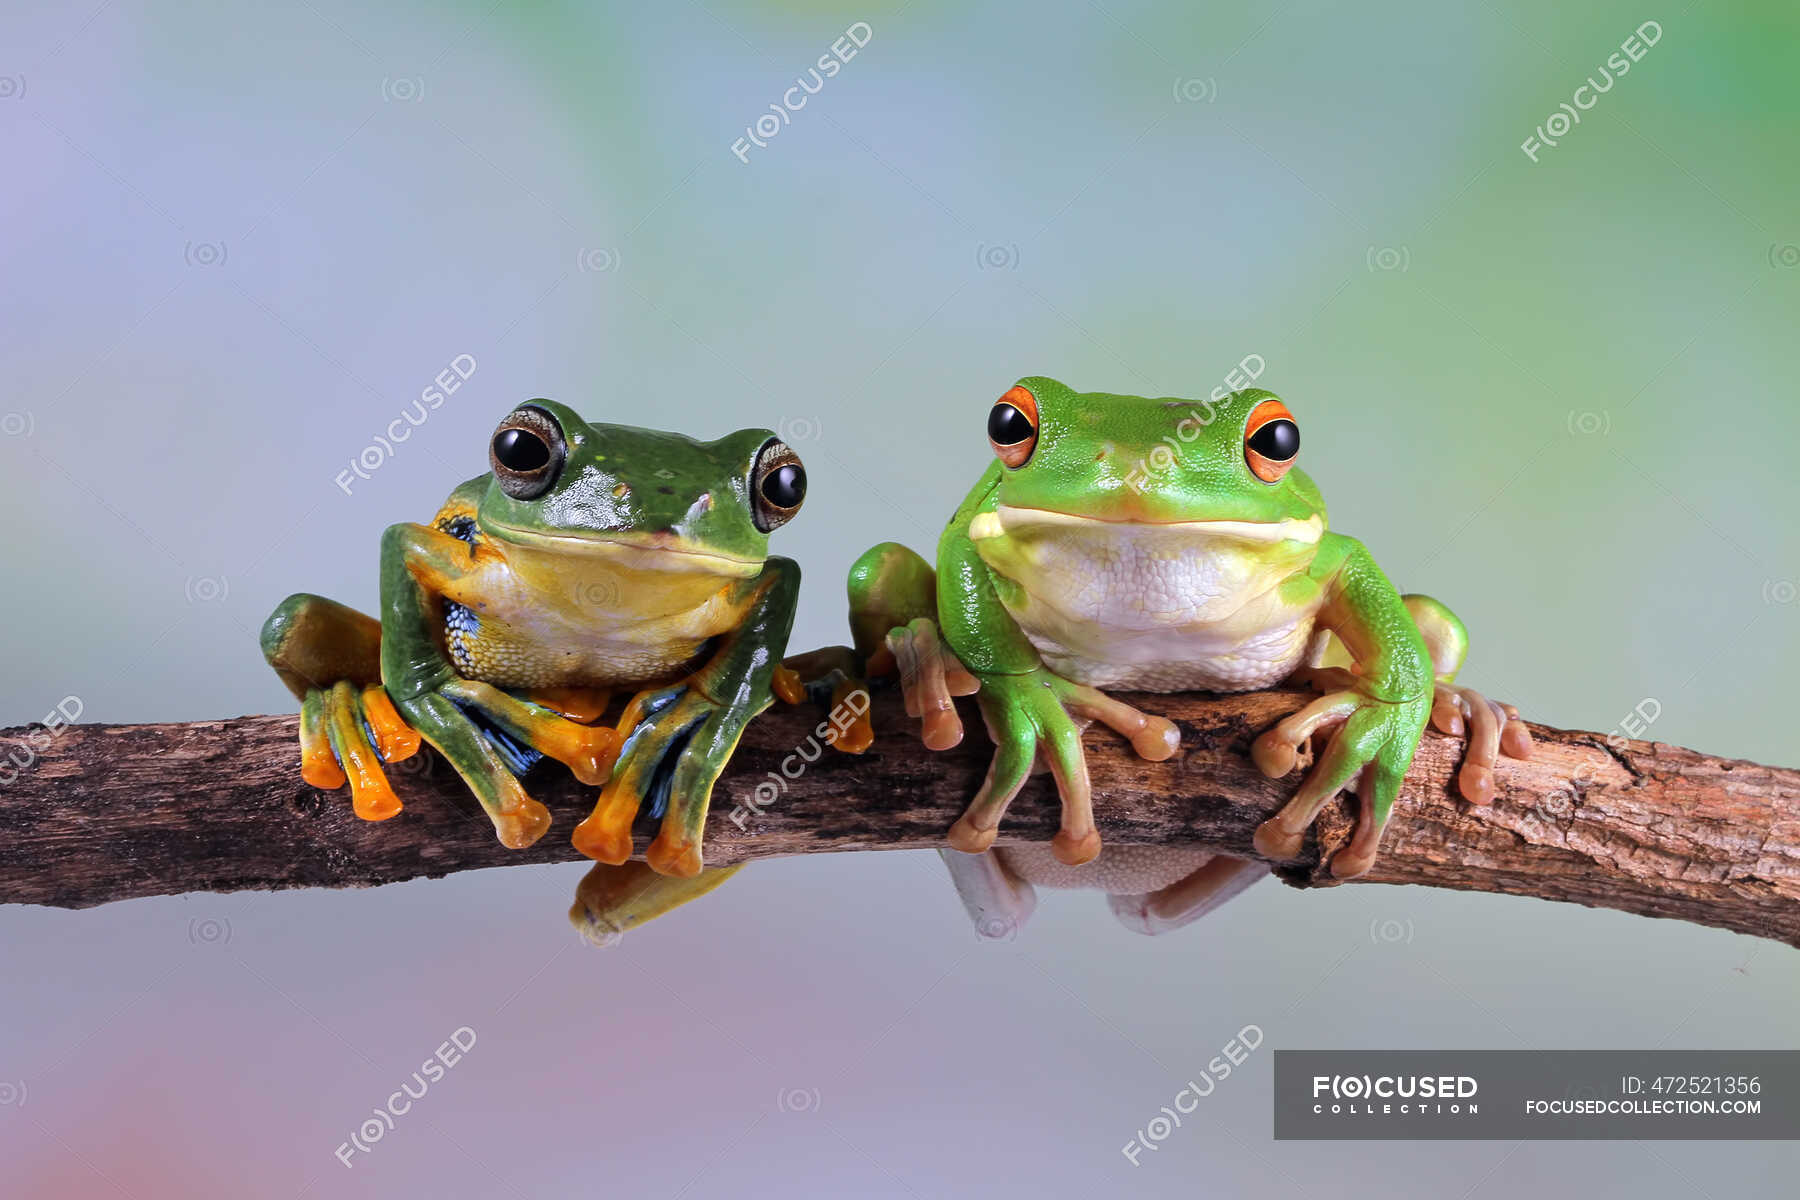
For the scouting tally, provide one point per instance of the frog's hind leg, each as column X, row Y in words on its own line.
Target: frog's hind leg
column 659, row 728
column 329, row 656
column 893, row 622
column 611, row 900
column 1188, row 899
column 930, row 675
column 893, row 600
column 1492, row 729
column 362, row 731
column 605, row 834
column 832, row 675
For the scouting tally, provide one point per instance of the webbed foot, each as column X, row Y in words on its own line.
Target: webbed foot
column 1039, row 713
column 833, row 676
column 1374, row 738
column 329, row 656
column 676, row 742
column 347, row 734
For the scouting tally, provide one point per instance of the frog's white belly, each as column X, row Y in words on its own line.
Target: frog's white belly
column 1134, row 608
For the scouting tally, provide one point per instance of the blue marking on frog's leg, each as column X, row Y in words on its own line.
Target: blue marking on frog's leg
column 662, row 782
column 369, row 733
column 518, row 757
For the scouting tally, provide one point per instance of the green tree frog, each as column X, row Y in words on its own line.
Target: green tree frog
column 589, row 558
column 1087, row 559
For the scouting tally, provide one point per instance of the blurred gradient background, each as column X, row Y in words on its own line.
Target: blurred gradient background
column 239, row 240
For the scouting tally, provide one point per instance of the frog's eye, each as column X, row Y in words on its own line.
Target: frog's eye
column 1271, row 441
column 777, row 486
column 527, row 453
column 1013, row 426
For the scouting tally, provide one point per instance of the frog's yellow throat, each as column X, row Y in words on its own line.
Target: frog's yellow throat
column 631, row 551
column 540, row 610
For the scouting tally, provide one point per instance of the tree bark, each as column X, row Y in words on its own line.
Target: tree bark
column 99, row 813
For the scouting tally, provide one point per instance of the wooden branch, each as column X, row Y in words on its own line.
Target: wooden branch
column 109, row 813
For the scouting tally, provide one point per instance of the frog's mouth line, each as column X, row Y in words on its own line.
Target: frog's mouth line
column 1006, row 518
column 630, row 550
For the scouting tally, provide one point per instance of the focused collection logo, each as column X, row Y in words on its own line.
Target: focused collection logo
column 1395, row 1095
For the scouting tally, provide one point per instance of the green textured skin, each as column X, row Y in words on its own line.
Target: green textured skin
column 974, row 622
column 1090, row 449
column 889, row 585
column 616, row 483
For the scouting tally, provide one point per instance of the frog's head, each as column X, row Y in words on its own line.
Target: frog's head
column 649, row 499
column 1219, row 468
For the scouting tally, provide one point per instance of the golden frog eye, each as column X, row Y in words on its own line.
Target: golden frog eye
column 777, row 485
column 1012, row 426
column 527, row 453
column 1271, row 441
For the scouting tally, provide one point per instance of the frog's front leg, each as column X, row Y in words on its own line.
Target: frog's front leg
column 418, row 565
column 1380, row 713
column 1493, row 729
column 329, row 656
column 678, row 739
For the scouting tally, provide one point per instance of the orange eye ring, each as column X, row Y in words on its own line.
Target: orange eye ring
column 1013, row 426
column 1271, row 441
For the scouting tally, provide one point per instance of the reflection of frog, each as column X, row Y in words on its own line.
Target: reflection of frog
column 1088, row 557
column 591, row 557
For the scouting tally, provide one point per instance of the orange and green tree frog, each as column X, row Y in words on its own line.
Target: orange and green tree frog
column 1089, row 557
column 589, row 558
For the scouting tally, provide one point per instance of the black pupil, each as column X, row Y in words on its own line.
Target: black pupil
column 1007, row 426
column 1277, row 441
column 520, row 450
column 785, row 486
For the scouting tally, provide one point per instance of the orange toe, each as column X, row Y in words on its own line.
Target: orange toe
column 1272, row 841
column 1157, row 740
column 521, row 825
column 320, row 769
column 787, row 684
column 940, row 729
column 1350, row 864
column 670, row 857
column 603, row 841
column 965, row 837
column 1274, row 755
column 372, row 797
column 396, row 740
column 1072, row 850
column 1476, row 784
column 589, row 752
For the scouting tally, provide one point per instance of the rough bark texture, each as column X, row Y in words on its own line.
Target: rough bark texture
column 114, row 812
